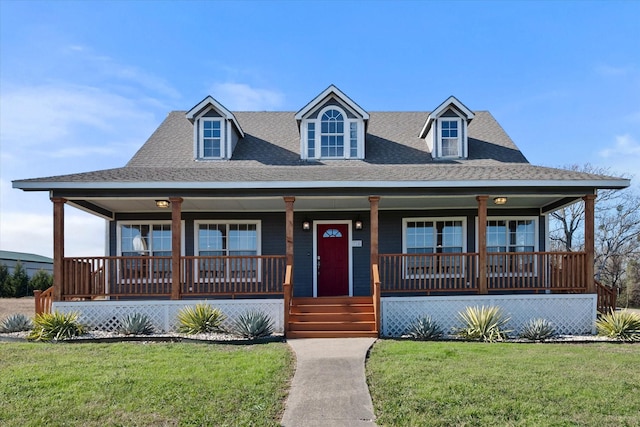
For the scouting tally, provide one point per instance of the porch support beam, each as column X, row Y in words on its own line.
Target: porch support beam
column 288, row 200
column 374, row 203
column 589, row 240
column 482, row 244
column 58, row 246
column 176, row 247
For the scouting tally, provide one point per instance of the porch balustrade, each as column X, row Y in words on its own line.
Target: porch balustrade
column 506, row 271
column 150, row 276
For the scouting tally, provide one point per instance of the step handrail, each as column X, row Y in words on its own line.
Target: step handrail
column 287, row 289
column 43, row 300
column 607, row 297
column 375, row 272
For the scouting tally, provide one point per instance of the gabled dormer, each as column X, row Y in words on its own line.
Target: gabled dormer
column 332, row 126
column 446, row 130
column 215, row 130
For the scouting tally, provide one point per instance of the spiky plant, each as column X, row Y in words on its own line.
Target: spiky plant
column 135, row 324
column 538, row 330
column 622, row 325
column 253, row 324
column 424, row 328
column 16, row 323
column 200, row 319
column 56, row 326
column 483, row 324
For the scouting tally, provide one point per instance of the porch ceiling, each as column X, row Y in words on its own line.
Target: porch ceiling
column 107, row 206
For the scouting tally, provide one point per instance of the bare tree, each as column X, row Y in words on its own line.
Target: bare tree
column 617, row 239
column 567, row 225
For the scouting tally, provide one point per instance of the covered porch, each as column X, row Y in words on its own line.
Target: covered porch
column 179, row 276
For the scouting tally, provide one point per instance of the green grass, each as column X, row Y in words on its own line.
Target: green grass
column 478, row 384
column 134, row 384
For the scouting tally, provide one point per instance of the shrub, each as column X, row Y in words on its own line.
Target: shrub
column 538, row 330
column 56, row 326
column 483, row 324
column 424, row 328
column 200, row 319
column 135, row 324
column 41, row 281
column 623, row 325
column 16, row 323
column 253, row 324
column 6, row 285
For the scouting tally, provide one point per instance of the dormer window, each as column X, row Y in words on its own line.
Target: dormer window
column 450, row 138
column 332, row 126
column 445, row 131
column 210, row 144
column 215, row 130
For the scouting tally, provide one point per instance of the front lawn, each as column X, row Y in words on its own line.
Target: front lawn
column 143, row 384
column 501, row 384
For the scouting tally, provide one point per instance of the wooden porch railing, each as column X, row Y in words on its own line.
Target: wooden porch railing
column 607, row 298
column 43, row 300
column 134, row 276
column 506, row 271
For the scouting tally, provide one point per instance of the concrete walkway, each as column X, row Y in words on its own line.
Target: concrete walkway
column 329, row 386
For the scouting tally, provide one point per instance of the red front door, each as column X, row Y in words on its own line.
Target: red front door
column 333, row 260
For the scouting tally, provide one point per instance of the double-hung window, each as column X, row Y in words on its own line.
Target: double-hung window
column 507, row 237
column 228, row 250
column 433, row 245
column 139, row 240
column 450, row 138
column 211, row 141
column 332, row 134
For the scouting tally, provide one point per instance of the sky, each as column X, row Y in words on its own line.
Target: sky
column 84, row 84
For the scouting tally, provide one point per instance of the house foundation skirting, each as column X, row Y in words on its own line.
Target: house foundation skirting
column 571, row 314
column 106, row 315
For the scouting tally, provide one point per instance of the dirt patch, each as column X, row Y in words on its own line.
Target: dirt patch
column 9, row 306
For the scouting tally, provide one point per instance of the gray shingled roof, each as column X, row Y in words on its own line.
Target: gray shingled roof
column 270, row 153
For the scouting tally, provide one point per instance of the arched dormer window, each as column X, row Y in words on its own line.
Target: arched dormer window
column 332, row 135
column 332, row 127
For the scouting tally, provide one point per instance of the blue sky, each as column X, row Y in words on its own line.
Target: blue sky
column 83, row 84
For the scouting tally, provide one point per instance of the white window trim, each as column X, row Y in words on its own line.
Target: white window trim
column 536, row 240
column 461, row 136
column 227, row 222
column 304, row 145
column 315, row 253
column 198, row 138
column 119, row 225
column 405, row 221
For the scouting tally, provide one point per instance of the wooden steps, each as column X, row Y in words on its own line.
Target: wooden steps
column 332, row 317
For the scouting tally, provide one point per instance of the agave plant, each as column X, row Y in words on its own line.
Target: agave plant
column 16, row 323
column 200, row 319
column 483, row 323
column 623, row 325
column 56, row 326
column 538, row 330
column 136, row 324
column 253, row 324
column 424, row 328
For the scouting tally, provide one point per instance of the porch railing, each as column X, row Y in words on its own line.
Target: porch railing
column 607, row 297
column 506, row 271
column 133, row 276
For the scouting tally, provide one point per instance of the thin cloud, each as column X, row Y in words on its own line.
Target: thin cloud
column 624, row 146
column 613, row 71
column 242, row 97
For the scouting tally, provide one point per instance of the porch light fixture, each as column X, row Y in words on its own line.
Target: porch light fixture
column 163, row 204
column 499, row 200
column 358, row 224
column 306, row 225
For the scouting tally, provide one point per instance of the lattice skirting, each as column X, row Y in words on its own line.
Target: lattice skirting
column 571, row 314
column 106, row 315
